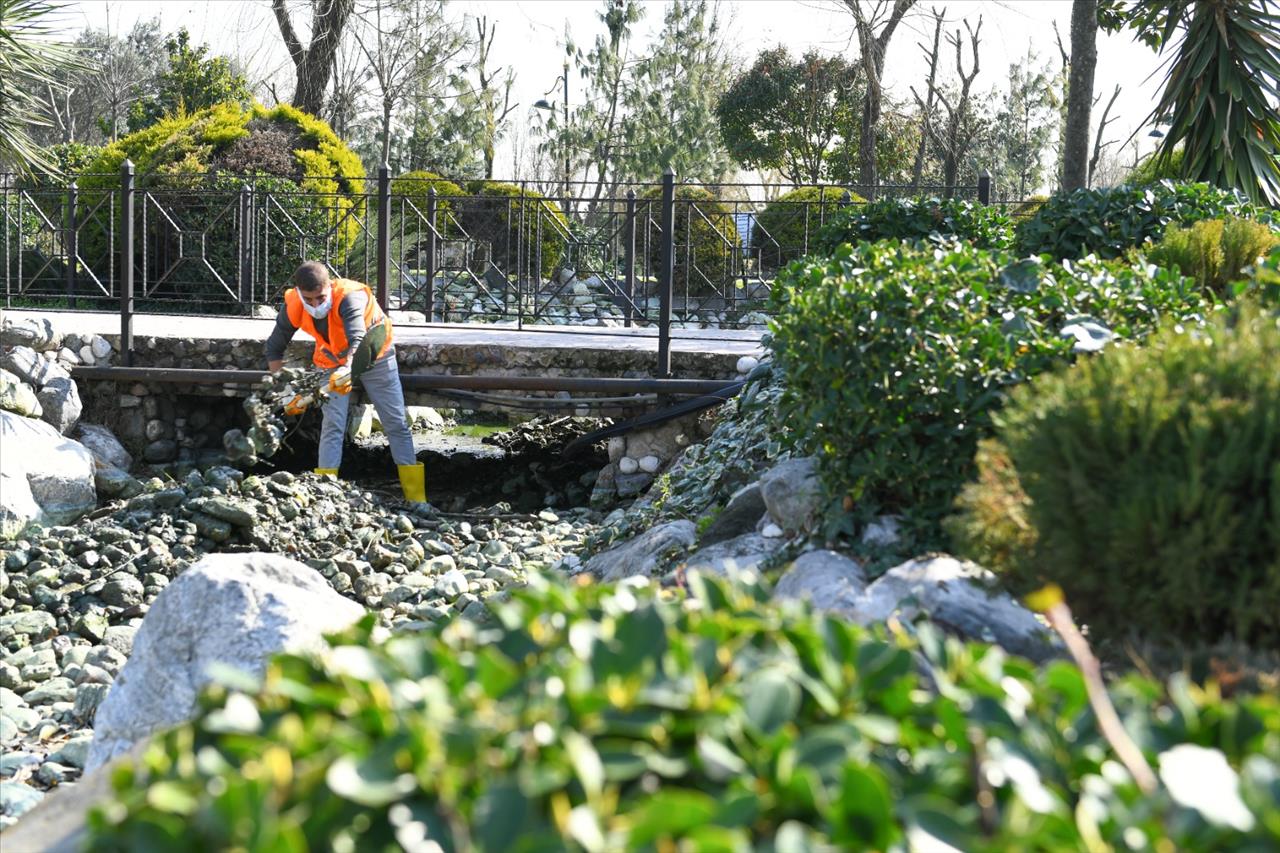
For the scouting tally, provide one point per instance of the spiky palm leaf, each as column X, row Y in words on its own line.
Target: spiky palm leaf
column 1222, row 89
column 30, row 61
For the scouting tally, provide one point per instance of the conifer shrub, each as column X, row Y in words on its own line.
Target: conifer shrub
column 896, row 356
column 190, row 169
column 1149, row 481
column 526, row 231
column 788, row 227
column 1215, row 252
column 920, row 218
column 588, row 717
column 1108, row 222
column 706, row 240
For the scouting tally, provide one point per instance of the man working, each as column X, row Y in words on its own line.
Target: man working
column 338, row 314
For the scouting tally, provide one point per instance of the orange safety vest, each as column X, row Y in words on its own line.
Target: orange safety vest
column 334, row 352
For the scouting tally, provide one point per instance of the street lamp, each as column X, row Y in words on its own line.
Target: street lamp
column 544, row 104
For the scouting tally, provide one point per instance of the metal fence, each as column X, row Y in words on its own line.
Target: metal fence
column 652, row 256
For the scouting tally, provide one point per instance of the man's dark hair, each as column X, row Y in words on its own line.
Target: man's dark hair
column 311, row 276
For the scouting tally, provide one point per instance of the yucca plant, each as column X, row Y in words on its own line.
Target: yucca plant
column 30, row 60
column 1221, row 90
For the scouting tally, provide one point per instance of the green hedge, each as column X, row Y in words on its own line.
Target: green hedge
column 919, row 218
column 1107, row 222
column 706, row 240
column 896, row 356
column 788, row 227
column 620, row 718
column 1148, row 480
column 491, row 214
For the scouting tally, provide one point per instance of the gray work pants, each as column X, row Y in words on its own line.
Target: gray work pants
column 382, row 383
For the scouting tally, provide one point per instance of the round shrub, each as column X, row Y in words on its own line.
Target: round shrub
column 308, row 188
column 413, row 188
column 591, row 717
column 1025, row 209
column 919, row 218
column 896, row 355
column 706, row 240
column 788, row 227
column 1215, row 252
column 1108, row 221
column 501, row 213
column 1152, row 169
column 1152, row 484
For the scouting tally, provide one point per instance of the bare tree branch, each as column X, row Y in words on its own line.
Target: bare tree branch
column 1098, row 144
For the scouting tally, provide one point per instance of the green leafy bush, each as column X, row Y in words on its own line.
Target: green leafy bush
column 1025, row 209
column 1107, row 222
column 1152, row 169
column 1152, row 485
column 788, row 227
column 896, row 356
column 413, row 188
column 706, row 240
column 622, row 718
column 1215, row 251
column 500, row 213
column 920, row 218
column 308, row 193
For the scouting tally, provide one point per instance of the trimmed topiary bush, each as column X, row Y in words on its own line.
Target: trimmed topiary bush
column 921, row 218
column 707, row 241
column 1152, row 170
column 1215, row 251
column 1151, row 478
column 308, row 197
column 788, row 227
column 500, row 213
column 412, row 188
column 896, row 356
column 586, row 717
column 1107, row 222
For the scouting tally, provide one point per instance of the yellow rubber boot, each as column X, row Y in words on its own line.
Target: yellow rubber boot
column 327, row 472
column 413, row 480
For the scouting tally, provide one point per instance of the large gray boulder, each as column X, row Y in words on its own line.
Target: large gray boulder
column 739, row 515
column 792, row 493
column 104, row 446
column 32, row 367
column 828, row 580
column 17, row 396
column 57, row 470
column 961, row 597
column 741, row 554
column 232, row 609
column 646, row 553
column 60, row 400
column 18, row 506
column 35, row 333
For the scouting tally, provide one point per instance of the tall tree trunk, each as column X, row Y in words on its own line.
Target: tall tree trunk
column 917, row 168
column 874, row 46
column 314, row 63
column 1084, row 57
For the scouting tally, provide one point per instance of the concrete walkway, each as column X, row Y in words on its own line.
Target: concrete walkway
column 724, row 342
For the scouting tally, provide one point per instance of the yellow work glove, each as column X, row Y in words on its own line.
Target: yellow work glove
column 297, row 405
column 340, row 380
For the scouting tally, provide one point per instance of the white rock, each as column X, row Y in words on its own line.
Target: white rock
column 228, row 609
column 829, row 580
column 650, row 464
column 67, row 356
column 18, row 506
column 627, row 465
column 424, row 416
column 60, row 400
column 771, row 531
column 35, row 332
column 882, row 532
column 452, row 584
column 361, row 422
column 100, row 347
column 32, row 368
column 58, row 471
column 86, row 354
column 747, row 363
column 792, row 493
column 740, row 555
column 17, row 396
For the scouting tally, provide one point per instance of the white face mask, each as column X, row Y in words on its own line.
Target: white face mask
column 319, row 312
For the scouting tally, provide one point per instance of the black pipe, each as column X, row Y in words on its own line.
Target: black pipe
column 423, row 382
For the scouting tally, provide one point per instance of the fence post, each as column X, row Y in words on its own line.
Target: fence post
column 984, row 187
column 384, row 234
column 629, row 259
column 71, row 244
column 244, row 248
column 126, row 261
column 667, row 271
column 431, row 253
